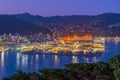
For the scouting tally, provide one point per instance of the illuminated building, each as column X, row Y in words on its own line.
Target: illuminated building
column 69, row 39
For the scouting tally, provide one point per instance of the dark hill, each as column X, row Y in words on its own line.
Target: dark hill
column 9, row 24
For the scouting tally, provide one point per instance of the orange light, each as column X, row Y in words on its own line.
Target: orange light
column 69, row 39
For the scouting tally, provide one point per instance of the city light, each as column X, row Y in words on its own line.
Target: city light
column 68, row 45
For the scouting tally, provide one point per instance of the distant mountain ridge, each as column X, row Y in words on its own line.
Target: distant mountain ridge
column 106, row 17
column 104, row 24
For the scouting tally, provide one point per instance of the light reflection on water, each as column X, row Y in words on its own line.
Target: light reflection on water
column 56, row 59
column 12, row 61
column 74, row 59
column 2, row 59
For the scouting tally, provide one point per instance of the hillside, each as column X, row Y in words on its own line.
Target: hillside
column 9, row 24
column 107, row 24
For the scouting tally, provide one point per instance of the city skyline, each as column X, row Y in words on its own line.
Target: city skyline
column 61, row 7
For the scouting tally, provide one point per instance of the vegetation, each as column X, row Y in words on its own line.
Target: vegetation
column 114, row 62
column 77, row 71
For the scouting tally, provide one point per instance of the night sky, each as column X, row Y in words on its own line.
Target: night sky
column 59, row 7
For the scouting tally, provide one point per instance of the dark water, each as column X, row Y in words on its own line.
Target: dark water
column 12, row 61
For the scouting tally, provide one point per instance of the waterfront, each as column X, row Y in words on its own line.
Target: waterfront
column 67, row 46
column 12, row 61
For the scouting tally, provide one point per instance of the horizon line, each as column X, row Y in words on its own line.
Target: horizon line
column 60, row 15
